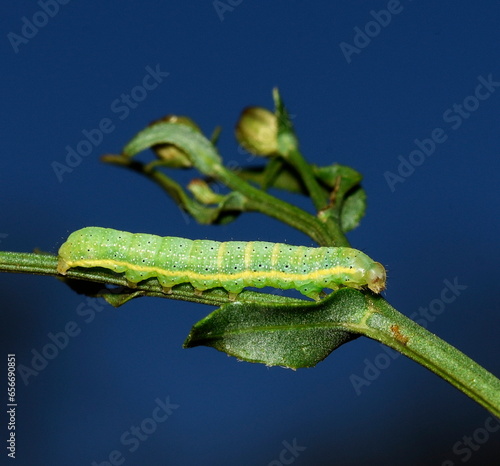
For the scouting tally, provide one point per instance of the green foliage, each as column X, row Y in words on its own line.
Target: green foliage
column 285, row 335
column 335, row 190
column 259, row 327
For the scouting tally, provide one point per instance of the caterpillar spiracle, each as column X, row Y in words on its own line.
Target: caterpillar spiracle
column 232, row 265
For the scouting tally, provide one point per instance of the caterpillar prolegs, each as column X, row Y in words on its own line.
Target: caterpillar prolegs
column 232, row 265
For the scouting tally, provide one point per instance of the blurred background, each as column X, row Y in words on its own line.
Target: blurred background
column 364, row 81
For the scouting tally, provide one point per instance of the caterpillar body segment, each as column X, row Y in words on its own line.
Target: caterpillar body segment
column 232, row 265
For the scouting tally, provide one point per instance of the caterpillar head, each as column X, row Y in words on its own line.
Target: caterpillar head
column 376, row 277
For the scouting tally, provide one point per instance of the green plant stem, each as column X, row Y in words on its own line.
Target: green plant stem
column 318, row 196
column 383, row 323
column 46, row 264
column 256, row 199
column 316, row 192
column 273, row 207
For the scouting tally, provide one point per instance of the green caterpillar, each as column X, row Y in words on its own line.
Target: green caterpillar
column 231, row 265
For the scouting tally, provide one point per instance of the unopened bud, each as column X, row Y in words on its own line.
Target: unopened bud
column 257, row 131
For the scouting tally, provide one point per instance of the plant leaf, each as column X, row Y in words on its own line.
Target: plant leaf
column 292, row 336
column 198, row 148
column 353, row 209
column 348, row 198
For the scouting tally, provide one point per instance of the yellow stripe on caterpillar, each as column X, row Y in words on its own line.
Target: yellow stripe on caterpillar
column 231, row 265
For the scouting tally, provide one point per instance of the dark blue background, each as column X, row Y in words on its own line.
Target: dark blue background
column 442, row 222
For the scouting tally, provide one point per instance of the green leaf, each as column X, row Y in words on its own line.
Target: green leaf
column 292, row 336
column 353, row 209
column 329, row 176
column 348, row 198
column 197, row 147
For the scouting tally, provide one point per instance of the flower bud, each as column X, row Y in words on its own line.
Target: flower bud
column 257, row 131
